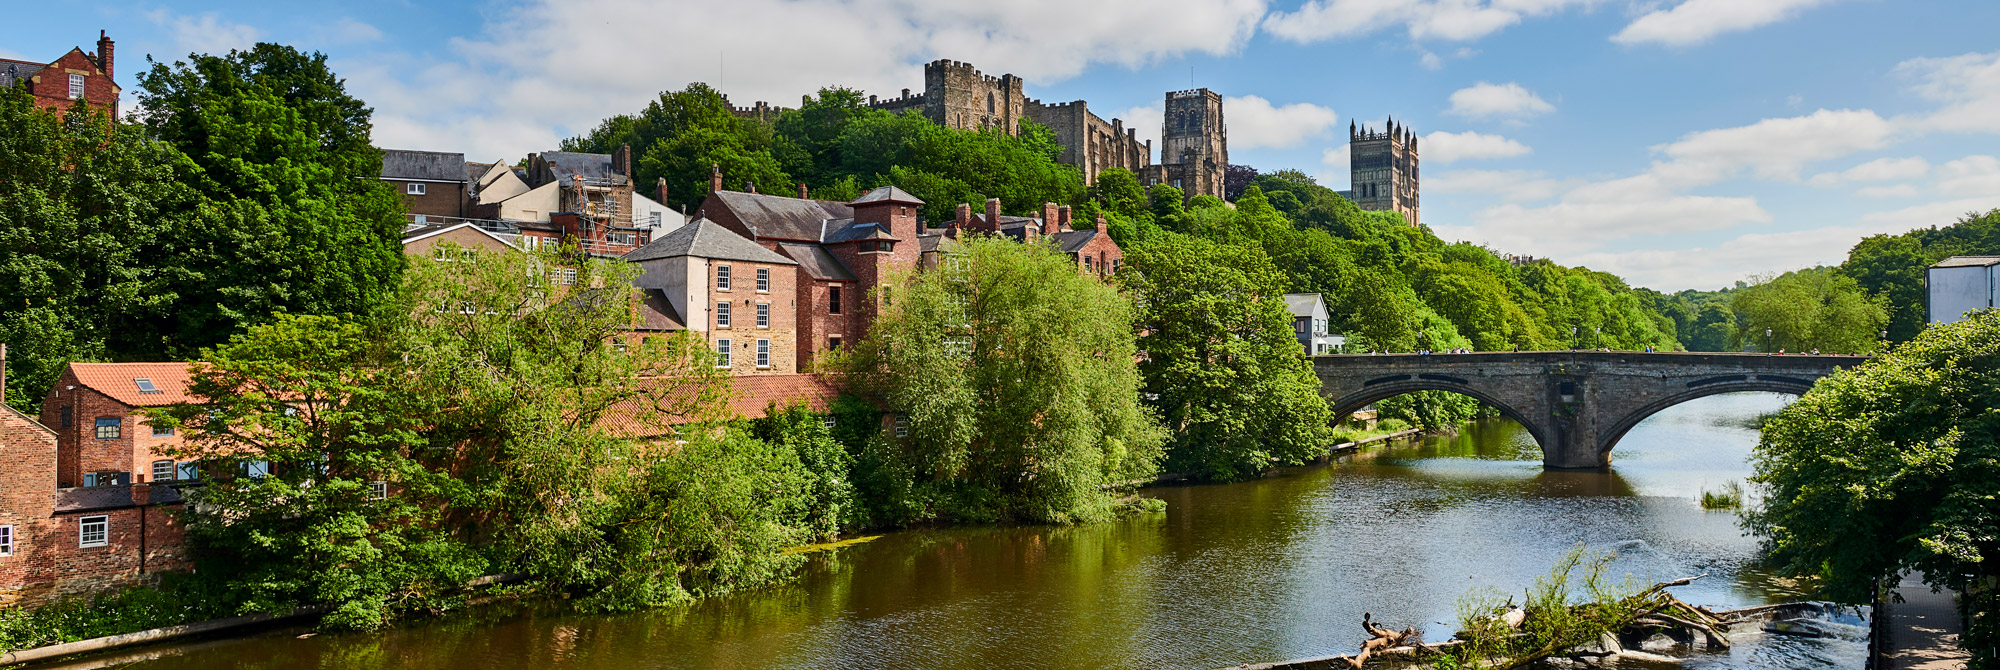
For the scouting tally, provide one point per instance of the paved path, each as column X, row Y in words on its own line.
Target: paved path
column 1923, row 629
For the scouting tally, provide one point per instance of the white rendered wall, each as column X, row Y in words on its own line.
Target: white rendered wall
column 1955, row 291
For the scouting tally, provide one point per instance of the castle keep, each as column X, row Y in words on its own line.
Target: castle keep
column 1383, row 169
column 1194, row 155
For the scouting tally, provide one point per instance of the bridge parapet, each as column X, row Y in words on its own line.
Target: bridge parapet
column 1576, row 404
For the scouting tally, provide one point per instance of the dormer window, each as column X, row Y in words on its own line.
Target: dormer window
column 146, row 386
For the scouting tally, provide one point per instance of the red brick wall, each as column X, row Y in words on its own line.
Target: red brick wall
column 1102, row 252
column 51, row 85
column 439, row 198
column 79, row 451
column 743, row 332
column 816, row 321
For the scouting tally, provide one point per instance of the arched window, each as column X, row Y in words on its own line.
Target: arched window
column 989, row 103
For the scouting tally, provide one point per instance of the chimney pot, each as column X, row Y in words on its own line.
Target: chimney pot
column 662, row 186
column 803, row 194
column 714, row 178
column 1100, row 223
column 753, row 186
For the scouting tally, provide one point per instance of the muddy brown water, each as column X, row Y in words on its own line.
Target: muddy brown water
column 1275, row 569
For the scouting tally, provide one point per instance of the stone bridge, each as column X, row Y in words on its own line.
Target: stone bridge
column 1577, row 404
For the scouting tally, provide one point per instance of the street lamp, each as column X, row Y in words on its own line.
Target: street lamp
column 1572, row 338
column 1767, row 341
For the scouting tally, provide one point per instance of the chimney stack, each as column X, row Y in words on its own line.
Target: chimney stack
column 1100, row 224
column 662, row 185
column 104, row 54
column 753, row 186
column 802, row 192
column 621, row 160
column 964, row 220
column 1062, row 218
column 714, row 178
column 992, row 215
column 1049, row 219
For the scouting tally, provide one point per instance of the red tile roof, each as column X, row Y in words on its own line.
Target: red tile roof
column 119, row 380
column 749, row 396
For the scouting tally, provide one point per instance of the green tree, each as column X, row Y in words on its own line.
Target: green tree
column 290, row 213
column 1222, row 364
column 1893, row 466
column 1809, row 309
column 683, row 136
column 1117, row 191
column 1892, row 267
column 1015, row 374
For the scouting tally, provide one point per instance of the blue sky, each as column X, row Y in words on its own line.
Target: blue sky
column 1680, row 143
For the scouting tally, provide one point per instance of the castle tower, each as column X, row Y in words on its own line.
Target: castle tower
column 1194, row 145
column 1383, row 169
column 957, row 95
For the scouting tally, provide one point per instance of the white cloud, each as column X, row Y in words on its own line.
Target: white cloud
column 348, row 30
column 1968, row 84
column 1896, row 191
column 1587, row 217
column 1440, row 148
column 1880, row 169
column 527, row 80
column 1457, row 20
column 1971, row 175
column 1255, row 123
column 206, row 34
column 1695, row 21
column 1510, row 185
column 1486, row 100
column 1772, row 148
column 1335, row 168
column 1735, row 260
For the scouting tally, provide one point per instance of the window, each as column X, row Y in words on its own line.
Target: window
column 989, row 103
column 530, row 242
column 146, row 386
column 763, row 353
column 93, row 531
column 378, row 490
column 190, row 470
column 763, row 315
column 257, row 469
column 414, row 189
column 722, row 353
column 721, row 277
column 722, row 314
column 565, row 276
column 163, row 471
column 6, row 540
column 902, row 425
column 833, row 300
column 466, row 307
column 883, row 246
column 440, row 254
column 620, row 238
column 763, row 280
column 107, row 428
column 68, row 416
column 655, row 217
column 828, row 422
column 90, row 479
column 75, row 86
column 833, row 343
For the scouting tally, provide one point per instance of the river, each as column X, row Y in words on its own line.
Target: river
column 1268, row 570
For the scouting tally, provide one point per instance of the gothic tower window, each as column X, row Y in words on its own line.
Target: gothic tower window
column 989, row 103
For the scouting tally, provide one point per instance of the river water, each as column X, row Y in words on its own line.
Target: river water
column 1270, row 570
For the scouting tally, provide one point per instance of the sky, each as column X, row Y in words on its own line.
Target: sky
column 1678, row 143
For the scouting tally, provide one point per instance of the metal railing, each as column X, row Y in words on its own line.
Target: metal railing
column 488, row 225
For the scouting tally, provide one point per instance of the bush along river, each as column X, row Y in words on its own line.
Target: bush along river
column 1269, row 570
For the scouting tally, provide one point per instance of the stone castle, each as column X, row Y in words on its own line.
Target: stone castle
column 1383, row 169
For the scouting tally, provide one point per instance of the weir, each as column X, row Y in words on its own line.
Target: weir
column 1576, row 404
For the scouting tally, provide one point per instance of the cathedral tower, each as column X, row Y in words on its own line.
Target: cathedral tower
column 1194, row 147
column 1383, row 169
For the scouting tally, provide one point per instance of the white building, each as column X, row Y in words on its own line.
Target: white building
column 1962, row 284
column 1309, row 318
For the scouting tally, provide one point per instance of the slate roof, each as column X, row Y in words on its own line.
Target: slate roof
column 1301, row 304
column 849, row 231
column 118, row 380
column 706, row 239
column 431, row 165
column 887, row 194
column 1968, row 262
column 784, row 218
column 657, row 313
column 566, row 164
column 16, row 71
column 816, row 261
column 111, row 497
column 414, row 232
column 935, row 242
column 1074, row 240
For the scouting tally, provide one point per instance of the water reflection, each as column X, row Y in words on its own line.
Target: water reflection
column 1260, row 571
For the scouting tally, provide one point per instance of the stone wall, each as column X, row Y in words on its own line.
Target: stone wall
column 1383, row 170
column 742, row 332
column 1193, row 137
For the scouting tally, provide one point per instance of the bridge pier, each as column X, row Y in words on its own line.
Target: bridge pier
column 1576, row 404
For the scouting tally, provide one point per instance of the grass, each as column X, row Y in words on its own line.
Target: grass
column 1730, row 497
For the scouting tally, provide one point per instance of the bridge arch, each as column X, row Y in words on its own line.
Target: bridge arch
column 1353, row 402
column 1616, row 430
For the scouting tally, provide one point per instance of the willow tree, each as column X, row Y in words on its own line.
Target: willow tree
column 1890, row 467
column 1015, row 380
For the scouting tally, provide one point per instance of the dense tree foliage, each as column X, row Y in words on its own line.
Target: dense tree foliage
column 248, row 188
column 1815, row 309
column 1222, row 364
column 1891, row 267
column 1016, row 375
column 840, row 148
column 1893, row 466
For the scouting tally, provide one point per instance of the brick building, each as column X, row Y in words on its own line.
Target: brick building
column 96, row 411
column 1092, row 248
column 432, row 183
column 58, row 541
column 739, row 295
column 77, row 75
